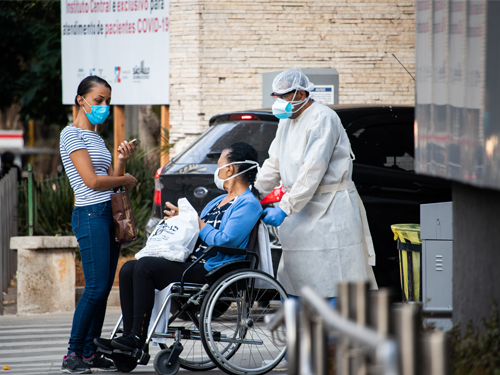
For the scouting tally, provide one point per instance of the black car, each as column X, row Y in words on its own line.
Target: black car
column 382, row 140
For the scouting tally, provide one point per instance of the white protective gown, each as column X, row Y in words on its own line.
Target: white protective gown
column 325, row 237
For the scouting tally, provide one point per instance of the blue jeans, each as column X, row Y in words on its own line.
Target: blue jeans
column 93, row 228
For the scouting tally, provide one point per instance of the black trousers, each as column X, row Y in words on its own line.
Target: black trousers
column 138, row 281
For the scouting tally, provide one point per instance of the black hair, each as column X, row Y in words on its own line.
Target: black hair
column 241, row 151
column 8, row 157
column 88, row 84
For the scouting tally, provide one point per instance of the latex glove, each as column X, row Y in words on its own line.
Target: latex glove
column 274, row 216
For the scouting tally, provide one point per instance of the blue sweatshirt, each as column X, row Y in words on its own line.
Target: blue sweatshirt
column 235, row 227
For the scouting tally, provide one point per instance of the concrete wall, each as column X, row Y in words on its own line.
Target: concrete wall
column 45, row 273
column 219, row 49
column 476, row 253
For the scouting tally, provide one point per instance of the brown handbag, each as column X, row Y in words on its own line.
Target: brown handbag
column 125, row 230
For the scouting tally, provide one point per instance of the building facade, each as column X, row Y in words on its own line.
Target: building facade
column 219, row 50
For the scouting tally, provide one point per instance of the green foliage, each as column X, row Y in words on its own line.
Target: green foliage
column 30, row 51
column 53, row 205
column 477, row 353
column 54, row 202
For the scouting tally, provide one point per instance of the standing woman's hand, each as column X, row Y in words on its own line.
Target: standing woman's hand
column 130, row 181
column 126, row 150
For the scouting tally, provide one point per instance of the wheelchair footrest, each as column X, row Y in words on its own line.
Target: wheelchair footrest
column 137, row 354
column 144, row 359
column 104, row 351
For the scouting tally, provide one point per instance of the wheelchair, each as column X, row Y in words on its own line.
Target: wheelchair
column 218, row 324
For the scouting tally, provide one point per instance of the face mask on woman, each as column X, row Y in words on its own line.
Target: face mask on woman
column 98, row 113
column 220, row 183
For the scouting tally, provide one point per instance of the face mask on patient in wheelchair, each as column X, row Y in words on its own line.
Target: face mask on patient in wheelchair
column 220, row 183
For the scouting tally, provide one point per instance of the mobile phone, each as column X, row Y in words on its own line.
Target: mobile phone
column 135, row 143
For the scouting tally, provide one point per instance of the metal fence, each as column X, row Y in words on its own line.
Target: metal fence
column 8, row 229
column 368, row 333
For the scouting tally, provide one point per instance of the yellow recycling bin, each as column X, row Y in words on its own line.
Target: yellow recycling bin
column 410, row 249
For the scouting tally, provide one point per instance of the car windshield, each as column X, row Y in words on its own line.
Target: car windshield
column 211, row 144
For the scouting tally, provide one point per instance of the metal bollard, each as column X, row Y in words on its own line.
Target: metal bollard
column 435, row 353
column 313, row 345
column 352, row 300
column 342, row 349
column 320, row 347
column 358, row 298
column 292, row 318
column 343, row 300
column 358, row 312
column 306, row 342
column 406, row 319
column 380, row 310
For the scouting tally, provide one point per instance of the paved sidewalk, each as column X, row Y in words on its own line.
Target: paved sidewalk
column 35, row 344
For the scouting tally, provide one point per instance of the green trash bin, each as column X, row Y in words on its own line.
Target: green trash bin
column 410, row 260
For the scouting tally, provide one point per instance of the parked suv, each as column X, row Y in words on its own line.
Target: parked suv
column 382, row 140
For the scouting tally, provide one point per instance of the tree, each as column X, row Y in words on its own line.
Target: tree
column 30, row 51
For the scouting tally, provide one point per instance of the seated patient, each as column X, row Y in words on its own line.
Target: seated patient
column 225, row 221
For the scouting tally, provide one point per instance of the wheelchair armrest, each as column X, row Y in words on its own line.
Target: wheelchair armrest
column 210, row 250
column 225, row 250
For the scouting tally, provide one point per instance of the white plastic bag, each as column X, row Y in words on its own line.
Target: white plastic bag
column 174, row 239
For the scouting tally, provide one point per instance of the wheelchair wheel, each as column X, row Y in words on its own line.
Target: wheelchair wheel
column 162, row 366
column 221, row 309
column 238, row 342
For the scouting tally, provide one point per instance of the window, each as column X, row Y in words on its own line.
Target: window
column 385, row 145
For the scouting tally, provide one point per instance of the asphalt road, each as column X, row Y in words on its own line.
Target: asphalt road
column 35, row 344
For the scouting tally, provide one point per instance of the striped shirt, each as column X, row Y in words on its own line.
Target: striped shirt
column 73, row 139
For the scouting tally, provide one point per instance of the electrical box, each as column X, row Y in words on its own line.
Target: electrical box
column 436, row 233
column 326, row 86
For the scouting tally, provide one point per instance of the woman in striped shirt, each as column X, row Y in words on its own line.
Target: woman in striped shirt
column 87, row 162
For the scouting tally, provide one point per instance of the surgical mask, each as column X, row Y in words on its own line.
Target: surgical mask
column 283, row 109
column 98, row 113
column 220, row 183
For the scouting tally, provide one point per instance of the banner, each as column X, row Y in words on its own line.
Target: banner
column 125, row 42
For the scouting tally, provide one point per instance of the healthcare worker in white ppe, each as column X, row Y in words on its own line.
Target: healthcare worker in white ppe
column 322, row 222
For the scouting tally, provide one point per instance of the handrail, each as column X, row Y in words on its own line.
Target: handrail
column 383, row 349
column 337, row 324
column 366, row 341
